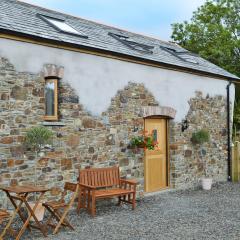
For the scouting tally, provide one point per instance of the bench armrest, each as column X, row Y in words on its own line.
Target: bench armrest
column 130, row 182
column 86, row 186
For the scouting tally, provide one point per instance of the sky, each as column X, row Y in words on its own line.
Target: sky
column 148, row 17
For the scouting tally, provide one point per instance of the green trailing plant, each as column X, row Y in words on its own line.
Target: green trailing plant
column 150, row 144
column 144, row 141
column 38, row 137
column 137, row 141
column 200, row 136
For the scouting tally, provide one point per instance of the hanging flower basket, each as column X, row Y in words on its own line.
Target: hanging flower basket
column 141, row 145
column 145, row 141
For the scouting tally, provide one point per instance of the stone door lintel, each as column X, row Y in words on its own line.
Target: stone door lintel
column 158, row 111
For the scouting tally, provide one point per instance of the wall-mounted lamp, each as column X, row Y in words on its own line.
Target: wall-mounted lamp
column 185, row 125
column 135, row 129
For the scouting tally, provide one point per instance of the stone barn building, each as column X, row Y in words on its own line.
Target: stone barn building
column 96, row 87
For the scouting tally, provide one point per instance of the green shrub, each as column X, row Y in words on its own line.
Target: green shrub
column 200, row 136
column 38, row 137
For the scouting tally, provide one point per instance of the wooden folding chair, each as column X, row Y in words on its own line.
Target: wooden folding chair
column 59, row 209
column 4, row 217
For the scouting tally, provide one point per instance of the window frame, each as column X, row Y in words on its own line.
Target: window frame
column 55, row 116
column 47, row 19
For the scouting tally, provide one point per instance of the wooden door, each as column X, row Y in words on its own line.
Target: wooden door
column 156, row 161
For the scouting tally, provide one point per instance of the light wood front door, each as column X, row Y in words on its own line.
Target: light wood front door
column 156, row 161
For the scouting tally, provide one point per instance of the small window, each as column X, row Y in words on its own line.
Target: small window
column 155, row 135
column 61, row 25
column 51, row 99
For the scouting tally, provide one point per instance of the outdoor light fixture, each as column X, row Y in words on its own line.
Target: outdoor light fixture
column 135, row 129
column 185, row 125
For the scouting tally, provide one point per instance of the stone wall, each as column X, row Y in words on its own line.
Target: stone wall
column 86, row 141
column 83, row 141
column 189, row 161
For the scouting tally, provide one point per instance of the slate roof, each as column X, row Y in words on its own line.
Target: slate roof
column 22, row 18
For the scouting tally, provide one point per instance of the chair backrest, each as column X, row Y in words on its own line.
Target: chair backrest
column 69, row 187
column 100, row 177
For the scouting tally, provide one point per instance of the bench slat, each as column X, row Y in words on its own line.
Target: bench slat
column 100, row 177
column 111, row 192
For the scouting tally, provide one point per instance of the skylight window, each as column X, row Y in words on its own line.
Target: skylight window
column 140, row 47
column 188, row 58
column 118, row 36
column 182, row 55
column 61, row 25
column 169, row 49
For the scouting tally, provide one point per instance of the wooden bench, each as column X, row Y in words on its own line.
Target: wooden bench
column 99, row 183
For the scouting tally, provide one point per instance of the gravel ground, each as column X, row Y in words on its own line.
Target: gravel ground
column 192, row 214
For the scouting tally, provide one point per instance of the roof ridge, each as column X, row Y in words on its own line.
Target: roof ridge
column 96, row 22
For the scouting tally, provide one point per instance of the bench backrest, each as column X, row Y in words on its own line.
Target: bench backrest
column 100, row 177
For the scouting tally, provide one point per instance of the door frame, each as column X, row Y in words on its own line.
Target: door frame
column 167, row 152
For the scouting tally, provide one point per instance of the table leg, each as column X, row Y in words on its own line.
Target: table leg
column 15, row 206
column 11, row 220
column 32, row 214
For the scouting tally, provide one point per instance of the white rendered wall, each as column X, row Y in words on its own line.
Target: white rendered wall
column 97, row 79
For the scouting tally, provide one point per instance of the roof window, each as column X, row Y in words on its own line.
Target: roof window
column 140, row 47
column 182, row 55
column 188, row 57
column 61, row 25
